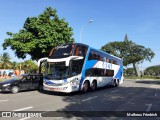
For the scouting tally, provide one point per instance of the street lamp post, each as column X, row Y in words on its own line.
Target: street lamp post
column 90, row 21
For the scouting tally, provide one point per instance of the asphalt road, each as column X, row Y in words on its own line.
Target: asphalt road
column 132, row 96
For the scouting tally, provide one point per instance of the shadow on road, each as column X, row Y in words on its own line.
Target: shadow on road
column 149, row 82
column 109, row 103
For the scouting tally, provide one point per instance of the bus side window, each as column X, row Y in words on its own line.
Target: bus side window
column 98, row 57
column 94, row 56
column 107, row 60
column 89, row 72
column 77, row 51
column 109, row 73
column 83, row 51
column 115, row 62
column 72, row 49
column 80, row 51
column 91, row 56
column 102, row 58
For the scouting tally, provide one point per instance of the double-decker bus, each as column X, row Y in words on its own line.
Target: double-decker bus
column 79, row 67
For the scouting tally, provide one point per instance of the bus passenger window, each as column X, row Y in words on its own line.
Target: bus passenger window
column 102, row 58
column 91, row 56
column 77, row 51
column 83, row 51
column 114, row 62
column 72, row 49
column 94, row 56
column 98, row 57
column 107, row 60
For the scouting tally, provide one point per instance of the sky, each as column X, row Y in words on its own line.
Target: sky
column 112, row 20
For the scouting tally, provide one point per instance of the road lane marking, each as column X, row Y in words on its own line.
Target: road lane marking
column 156, row 94
column 114, row 91
column 89, row 98
column 3, row 100
column 149, row 107
column 26, row 108
column 59, row 118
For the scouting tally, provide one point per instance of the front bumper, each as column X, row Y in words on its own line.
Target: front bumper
column 64, row 88
column 5, row 89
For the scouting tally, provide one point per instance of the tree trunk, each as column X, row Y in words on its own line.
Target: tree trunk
column 136, row 68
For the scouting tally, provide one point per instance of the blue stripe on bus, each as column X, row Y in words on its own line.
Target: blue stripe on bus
column 119, row 73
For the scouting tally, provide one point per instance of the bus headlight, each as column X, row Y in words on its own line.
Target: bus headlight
column 44, row 81
column 74, row 82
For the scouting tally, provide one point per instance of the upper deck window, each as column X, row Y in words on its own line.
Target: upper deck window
column 67, row 50
column 80, row 50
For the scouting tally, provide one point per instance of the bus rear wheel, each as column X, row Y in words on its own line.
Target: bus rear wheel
column 85, row 87
column 93, row 85
column 115, row 83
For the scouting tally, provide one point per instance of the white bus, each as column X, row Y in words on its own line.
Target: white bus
column 79, row 67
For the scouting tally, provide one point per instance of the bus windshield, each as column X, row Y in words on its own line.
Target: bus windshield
column 57, row 70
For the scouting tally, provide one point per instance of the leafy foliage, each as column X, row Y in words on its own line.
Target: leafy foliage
column 5, row 61
column 129, row 51
column 39, row 35
column 152, row 70
column 29, row 66
column 15, row 65
column 129, row 72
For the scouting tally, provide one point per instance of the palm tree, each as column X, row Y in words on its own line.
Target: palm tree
column 5, row 60
column 29, row 66
column 15, row 64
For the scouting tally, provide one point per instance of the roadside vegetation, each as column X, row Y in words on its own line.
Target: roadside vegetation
column 152, row 72
column 130, row 52
column 6, row 63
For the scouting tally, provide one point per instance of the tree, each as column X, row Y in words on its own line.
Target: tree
column 5, row 60
column 152, row 70
column 15, row 64
column 39, row 35
column 29, row 66
column 131, row 52
column 129, row 72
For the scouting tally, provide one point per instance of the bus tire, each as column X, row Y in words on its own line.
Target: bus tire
column 117, row 83
column 93, row 85
column 85, row 87
column 114, row 83
column 15, row 89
